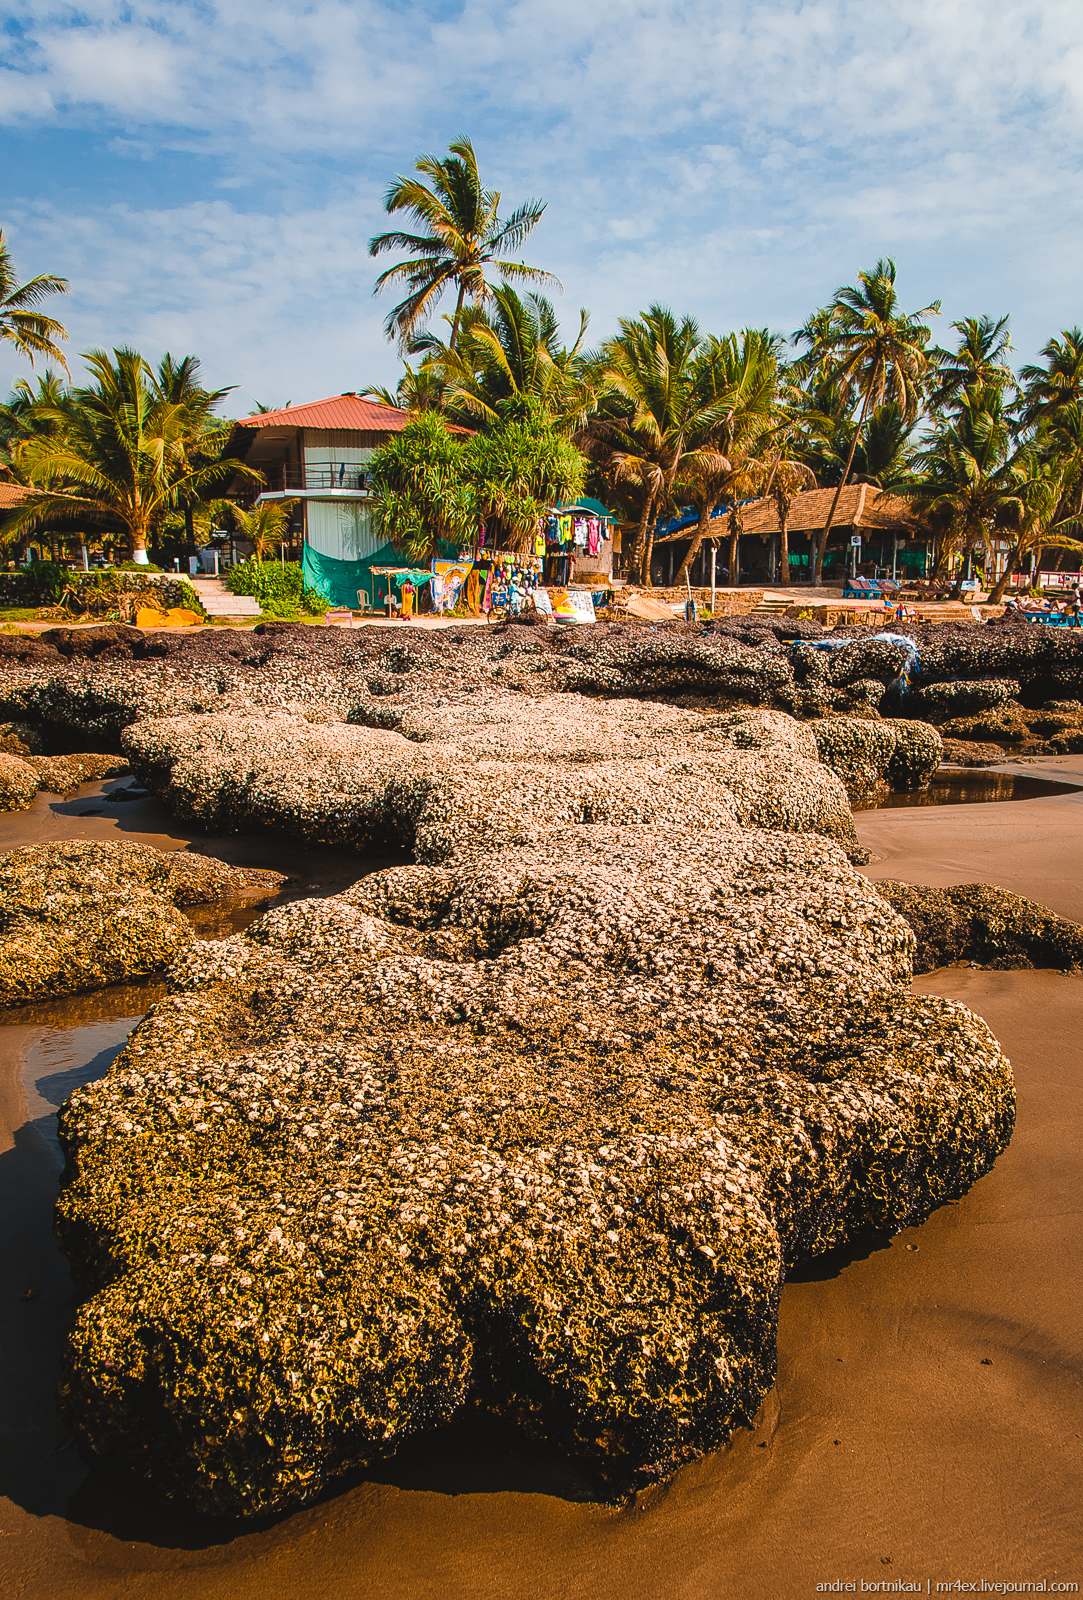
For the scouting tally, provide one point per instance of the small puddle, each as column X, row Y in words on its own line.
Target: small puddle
column 954, row 786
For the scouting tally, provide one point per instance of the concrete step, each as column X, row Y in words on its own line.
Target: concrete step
column 217, row 601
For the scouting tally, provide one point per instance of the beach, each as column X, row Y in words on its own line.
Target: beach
column 925, row 1424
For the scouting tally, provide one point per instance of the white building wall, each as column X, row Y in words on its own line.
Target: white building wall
column 341, row 529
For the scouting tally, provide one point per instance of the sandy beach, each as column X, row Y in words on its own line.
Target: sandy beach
column 926, row 1424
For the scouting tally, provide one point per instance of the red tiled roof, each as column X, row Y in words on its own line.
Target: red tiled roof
column 346, row 413
column 11, row 495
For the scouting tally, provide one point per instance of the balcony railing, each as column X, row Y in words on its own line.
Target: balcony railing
column 348, row 479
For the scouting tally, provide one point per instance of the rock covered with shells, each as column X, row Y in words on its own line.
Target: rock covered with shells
column 869, row 754
column 503, row 767
column 540, row 1128
column 978, row 922
column 83, row 914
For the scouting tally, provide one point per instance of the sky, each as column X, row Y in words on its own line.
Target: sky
column 207, row 173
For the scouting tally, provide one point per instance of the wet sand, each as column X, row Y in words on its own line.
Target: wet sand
column 927, row 1422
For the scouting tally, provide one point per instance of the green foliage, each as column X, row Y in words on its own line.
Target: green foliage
column 520, row 469
column 431, row 485
column 279, row 587
column 461, row 235
column 22, row 325
column 40, row 584
column 121, row 452
column 113, row 594
column 420, row 488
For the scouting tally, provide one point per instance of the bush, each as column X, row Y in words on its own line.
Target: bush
column 279, row 586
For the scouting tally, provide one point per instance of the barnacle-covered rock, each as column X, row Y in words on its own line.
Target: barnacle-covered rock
column 20, row 739
column 508, row 768
column 22, row 776
column 972, row 753
column 980, row 923
column 940, row 701
column 18, row 783
column 544, row 1127
column 868, row 753
column 81, row 915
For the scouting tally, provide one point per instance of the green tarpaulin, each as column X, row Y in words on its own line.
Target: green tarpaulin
column 339, row 581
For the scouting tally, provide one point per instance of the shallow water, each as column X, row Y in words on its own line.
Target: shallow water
column 963, row 786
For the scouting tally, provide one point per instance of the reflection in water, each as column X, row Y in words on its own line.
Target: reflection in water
column 953, row 786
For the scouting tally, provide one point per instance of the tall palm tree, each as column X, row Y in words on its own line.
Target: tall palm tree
column 974, row 475
column 1041, row 494
column 737, row 379
column 21, row 324
column 1059, row 382
column 508, row 350
column 462, row 236
column 120, row 460
column 875, row 352
column 180, row 383
column 979, row 360
column 787, row 477
column 656, row 423
column 886, row 453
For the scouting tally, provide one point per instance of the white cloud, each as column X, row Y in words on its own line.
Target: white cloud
column 736, row 157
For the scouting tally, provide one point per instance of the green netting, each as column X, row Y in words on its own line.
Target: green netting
column 340, row 581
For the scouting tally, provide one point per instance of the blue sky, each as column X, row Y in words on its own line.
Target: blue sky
column 207, row 173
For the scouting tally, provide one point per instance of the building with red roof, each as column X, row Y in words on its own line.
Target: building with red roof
column 318, row 455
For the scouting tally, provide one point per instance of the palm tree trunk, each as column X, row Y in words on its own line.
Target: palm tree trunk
column 784, row 549
column 695, row 544
column 137, row 537
column 733, row 557
column 639, row 540
column 457, row 317
column 997, row 592
column 645, row 577
column 825, row 531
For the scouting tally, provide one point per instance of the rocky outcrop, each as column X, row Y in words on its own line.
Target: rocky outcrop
column 542, row 1128
column 980, row 923
column 22, row 776
column 502, row 767
column 82, row 915
column 869, row 754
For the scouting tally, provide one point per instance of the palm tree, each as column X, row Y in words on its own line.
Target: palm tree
column 266, row 525
column 657, row 422
column 1041, row 493
column 418, row 389
column 180, row 383
column 462, row 236
column 885, row 455
column 978, row 361
column 1059, row 382
column 787, row 477
column 29, row 330
column 511, row 349
column 974, row 475
column 874, row 351
column 120, row 460
column 737, row 380
column 31, row 408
